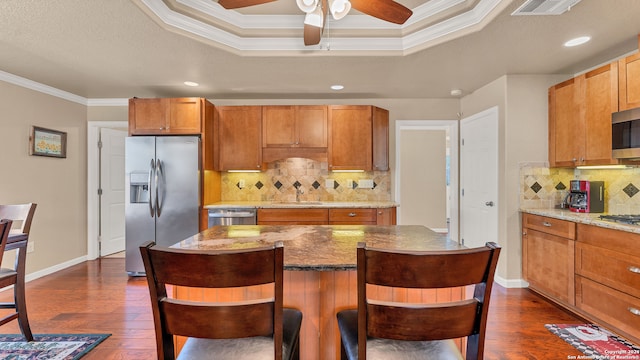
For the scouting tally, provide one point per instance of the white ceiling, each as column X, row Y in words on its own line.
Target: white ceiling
column 121, row 48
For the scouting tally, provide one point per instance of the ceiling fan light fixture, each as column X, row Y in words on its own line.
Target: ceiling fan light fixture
column 307, row 6
column 315, row 18
column 339, row 8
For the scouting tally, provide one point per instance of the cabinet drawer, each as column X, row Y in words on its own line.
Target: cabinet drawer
column 617, row 270
column 610, row 306
column 292, row 216
column 353, row 216
column 616, row 240
column 563, row 228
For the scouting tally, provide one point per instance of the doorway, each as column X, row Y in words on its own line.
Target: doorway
column 479, row 178
column 105, row 175
column 426, row 183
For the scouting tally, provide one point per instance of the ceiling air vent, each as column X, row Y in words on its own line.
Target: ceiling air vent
column 545, row 7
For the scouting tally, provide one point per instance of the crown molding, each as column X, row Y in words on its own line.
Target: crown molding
column 460, row 25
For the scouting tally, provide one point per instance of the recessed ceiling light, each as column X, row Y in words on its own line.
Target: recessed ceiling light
column 191, row 83
column 456, row 92
column 577, row 41
column 337, row 87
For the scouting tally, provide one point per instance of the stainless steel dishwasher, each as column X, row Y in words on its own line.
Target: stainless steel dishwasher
column 244, row 216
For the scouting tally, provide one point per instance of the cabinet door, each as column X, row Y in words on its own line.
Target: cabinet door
column 548, row 264
column 386, row 216
column 356, row 216
column 565, row 126
column 350, row 144
column 239, row 137
column 147, row 116
column 311, row 126
column 184, row 116
column 380, row 139
column 278, row 126
column 629, row 82
column 600, row 100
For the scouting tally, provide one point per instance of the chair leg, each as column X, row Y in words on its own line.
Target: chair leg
column 19, row 296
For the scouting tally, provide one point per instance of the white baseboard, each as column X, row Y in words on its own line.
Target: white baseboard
column 516, row 283
column 52, row 269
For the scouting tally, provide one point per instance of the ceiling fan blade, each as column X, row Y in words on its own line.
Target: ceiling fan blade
column 235, row 4
column 313, row 34
column 387, row 10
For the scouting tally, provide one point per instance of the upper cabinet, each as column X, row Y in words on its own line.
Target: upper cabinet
column 239, row 138
column 352, row 131
column 629, row 82
column 166, row 116
column 294, row 126
column 580, row 118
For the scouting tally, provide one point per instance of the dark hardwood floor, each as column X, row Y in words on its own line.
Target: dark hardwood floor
column 99, row 297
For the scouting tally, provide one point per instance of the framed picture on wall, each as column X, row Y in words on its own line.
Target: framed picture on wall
column 47, row 142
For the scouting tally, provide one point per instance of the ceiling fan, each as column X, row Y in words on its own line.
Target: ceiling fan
column 387, row 10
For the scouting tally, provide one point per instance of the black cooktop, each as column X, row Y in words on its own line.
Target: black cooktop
column 625, row 219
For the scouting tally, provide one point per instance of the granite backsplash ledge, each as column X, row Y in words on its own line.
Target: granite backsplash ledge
column 542, row 187
column 283, row 178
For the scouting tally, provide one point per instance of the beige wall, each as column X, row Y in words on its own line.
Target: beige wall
column 58, row 186
column 522, row 102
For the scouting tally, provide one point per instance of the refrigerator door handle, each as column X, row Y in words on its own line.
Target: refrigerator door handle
column 159, row 177
column 151, row 172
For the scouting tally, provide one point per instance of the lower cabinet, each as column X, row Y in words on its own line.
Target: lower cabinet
column 590, row 270
column 327, row 216
column 548, row 256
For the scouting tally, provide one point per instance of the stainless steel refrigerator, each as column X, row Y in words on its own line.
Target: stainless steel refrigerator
column 162, row 197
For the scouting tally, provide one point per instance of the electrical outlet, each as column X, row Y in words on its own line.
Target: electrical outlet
column 365, row 184
column 241, row 184
column 349, row 183
column 31, row 246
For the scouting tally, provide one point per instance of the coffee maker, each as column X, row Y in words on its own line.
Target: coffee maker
column 585, row 196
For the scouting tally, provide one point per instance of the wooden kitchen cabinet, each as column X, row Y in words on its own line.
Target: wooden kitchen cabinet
column 608, row 277
column 351, row 137
column 294, row 126
column 353, row 216
column 386, row 216
column 239, row 138
column 166, row 116
column 548, row 248
column 324, row 216
column 293, row 216
column 580, row 118
column 629, row 82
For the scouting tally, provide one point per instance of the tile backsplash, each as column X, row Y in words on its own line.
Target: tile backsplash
column 542, row 187
column 282, row 179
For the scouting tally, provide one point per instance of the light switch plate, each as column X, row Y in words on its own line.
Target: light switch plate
column 365, row 184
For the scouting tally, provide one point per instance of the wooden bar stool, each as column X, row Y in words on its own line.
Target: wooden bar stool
column 404, row 330
column 22, row 216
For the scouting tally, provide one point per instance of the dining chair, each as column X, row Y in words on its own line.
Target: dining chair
column 5, row 227
column 22, row 217
column 404, row 330
column 248, row 329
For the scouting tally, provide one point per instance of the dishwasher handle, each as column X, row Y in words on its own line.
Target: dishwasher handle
column 228, row 214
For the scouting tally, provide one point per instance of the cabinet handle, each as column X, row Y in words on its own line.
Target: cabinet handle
column 574, row 159
column 634, row 311
column 352, row 214
column 547, row 224
column 634, row 269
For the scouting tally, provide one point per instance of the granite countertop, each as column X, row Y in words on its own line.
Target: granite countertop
column 590, row 219
column 301, row 204
column 319, row 247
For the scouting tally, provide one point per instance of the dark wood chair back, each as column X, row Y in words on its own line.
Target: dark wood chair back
column 426, row 269
column 214, row 269
column 5, row 227
column 21, row 214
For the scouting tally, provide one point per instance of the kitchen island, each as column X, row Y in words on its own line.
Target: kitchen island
column 320, row 276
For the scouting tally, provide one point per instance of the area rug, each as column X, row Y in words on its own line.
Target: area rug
column 595, row 342
column 48, row 346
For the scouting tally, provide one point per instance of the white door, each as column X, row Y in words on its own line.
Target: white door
column 112, row 239
column 479, row 178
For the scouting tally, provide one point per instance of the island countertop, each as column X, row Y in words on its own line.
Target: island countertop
column 319, row 247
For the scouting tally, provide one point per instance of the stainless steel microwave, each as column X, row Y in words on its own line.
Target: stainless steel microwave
column 625, row 134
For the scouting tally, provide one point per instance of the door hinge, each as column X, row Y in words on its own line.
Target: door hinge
column 462, row 141
column 99, row 192
column 462, row 191
column 99, row 144
column 462, row 241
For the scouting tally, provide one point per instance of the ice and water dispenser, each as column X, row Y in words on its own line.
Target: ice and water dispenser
column 139, row 187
